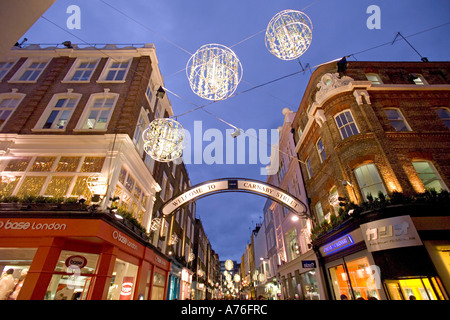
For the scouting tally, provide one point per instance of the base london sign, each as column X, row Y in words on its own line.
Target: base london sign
column 242, row 185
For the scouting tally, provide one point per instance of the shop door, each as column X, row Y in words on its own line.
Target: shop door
column 355, row 277
column 341, row 286
column 414, row 289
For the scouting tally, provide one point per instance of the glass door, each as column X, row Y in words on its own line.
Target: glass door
column 339, row 280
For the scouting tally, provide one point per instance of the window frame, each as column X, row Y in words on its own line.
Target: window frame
column 16, row 78
column 107, row 68
column 361, row 189
column 11, row 96
column 12, row 63
column 375, row 75
column 345, row 125
column 51, row 107
column 403, row 119
column 308, row 166
column 435, row 172
column 140, row 127
column 75, row 66
column 445, row 121
column 322, row 151
column 88, row 107
column 415, row 76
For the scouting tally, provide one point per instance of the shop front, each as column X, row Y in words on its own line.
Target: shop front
column 383, row 259
column 173, row 292
column 300, row 279
column 186, row 282
column 85, row 258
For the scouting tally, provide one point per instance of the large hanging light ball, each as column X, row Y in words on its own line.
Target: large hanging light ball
column 289, row 34
column 214, row 72
column 97, row 184
column 229, row 265
column 163, row 140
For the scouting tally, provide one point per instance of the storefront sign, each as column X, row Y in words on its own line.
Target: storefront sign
column 308, row 264
column 76, row 261
column 121, row 238
column 396, row 232
column 338, row 245
column 221, row 185
column 161, row 261
column 27, row 225
column 127, row 288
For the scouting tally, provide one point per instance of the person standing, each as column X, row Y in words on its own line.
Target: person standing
column 6, row 284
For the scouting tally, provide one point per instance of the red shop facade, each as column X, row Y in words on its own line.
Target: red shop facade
column 86, row 257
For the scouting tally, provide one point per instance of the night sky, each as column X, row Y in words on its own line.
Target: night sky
column 178, row 28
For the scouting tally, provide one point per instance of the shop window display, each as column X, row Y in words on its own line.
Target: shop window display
column 7, row 185
column 413, row 289
column 14, row 266
column 354, row 280
column 159, row 281
column 72, row 276
column 309, row 285
column 123, row 281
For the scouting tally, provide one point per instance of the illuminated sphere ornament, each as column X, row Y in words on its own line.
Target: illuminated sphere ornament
column 163, row 140
column 289, row 34
column 229, row 265
column 97, row 184
column 214, row 72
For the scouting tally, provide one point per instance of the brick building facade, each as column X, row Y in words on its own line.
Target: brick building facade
column 377, row 130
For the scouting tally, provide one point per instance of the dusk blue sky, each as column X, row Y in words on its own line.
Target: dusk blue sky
column 178, row 28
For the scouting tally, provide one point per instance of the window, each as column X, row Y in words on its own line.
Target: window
column 8, row 104
column 5, row 66
column 429, row 176
column 142, row 124
column 417, row 79
column 374, row 78
column 369, row 180
column 58, row 111
column 354, row 279
column 82, row 70
column 346, row 125
column 30, row 70
column 321, row 150
column 309, row 168
column 292, row 245
column 281, row 170
column 444, row 114
column 319, row 212
column 397, row 120
column 115, row 70
column 333, row 200
column 99, row 111
column 123, row 281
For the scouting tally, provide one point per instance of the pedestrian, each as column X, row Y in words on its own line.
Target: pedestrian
column 6, row 284
column 344, row 297
column 18, row 285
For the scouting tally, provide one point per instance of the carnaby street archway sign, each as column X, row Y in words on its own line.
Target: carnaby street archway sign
column 235, row 184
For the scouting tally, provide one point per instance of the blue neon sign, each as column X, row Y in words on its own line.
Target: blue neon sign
column 338, row 245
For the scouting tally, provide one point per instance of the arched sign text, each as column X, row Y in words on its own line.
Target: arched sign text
column 240, row 185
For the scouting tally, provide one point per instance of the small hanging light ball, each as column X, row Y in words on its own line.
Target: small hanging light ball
column 97, row 184
column 289, row 34
column 163, row 140
column 214, row 72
